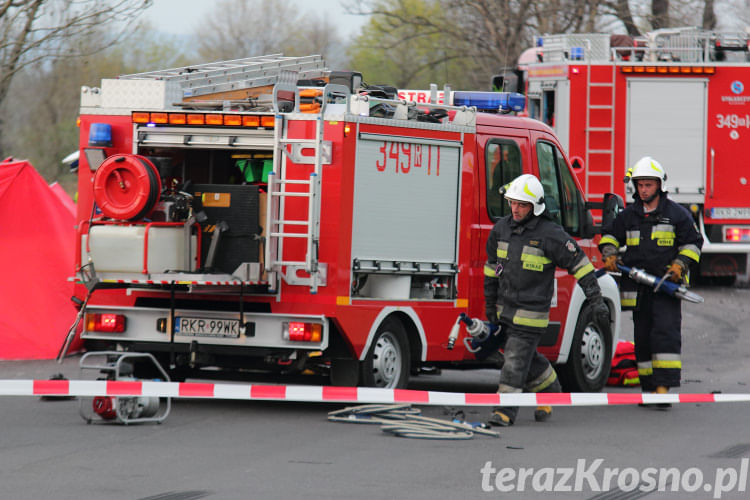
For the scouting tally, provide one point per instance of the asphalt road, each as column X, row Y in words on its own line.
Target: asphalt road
column 241, row 450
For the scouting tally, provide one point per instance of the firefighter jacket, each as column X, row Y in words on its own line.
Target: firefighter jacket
column 653, row 241
column 520, row 271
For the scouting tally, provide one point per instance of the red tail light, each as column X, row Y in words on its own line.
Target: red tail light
column 303, row 332
column 736, row 234
column 105, row 322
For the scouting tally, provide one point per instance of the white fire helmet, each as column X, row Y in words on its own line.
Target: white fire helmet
column 648, row 168
column 527, row 188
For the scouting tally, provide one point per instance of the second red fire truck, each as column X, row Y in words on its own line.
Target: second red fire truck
column 680, row 95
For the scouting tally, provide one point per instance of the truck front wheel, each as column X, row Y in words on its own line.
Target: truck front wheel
column 590, row 356
column 387, row 361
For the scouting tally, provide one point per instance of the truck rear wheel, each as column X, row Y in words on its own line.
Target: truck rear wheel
column 590, row 356
column 387, row 361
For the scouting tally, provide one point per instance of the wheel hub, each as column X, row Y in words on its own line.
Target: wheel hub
column 592, row 352
column 386, row 361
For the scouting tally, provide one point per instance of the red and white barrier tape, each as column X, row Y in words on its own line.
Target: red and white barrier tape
column 327, row 394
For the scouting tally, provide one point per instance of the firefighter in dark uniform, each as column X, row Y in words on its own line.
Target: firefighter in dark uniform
column 523, row 250
column 660, row 237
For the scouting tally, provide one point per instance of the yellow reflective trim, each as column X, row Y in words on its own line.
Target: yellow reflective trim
column 691, row 254
column 462, row 303
column 342, row 301
column 528, row 191
column 631, row 381
column 535, row 259
column 633, row 242
column 488, row 271
column 610, row 240
column 536, row 323
column 643, row 372
column 588, row 268
column 662, row 234
column 502, row 253
column 545, row 383
column 628, row 302
column 663, row 363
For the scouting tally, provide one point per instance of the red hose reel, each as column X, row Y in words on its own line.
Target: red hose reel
column 126, row 187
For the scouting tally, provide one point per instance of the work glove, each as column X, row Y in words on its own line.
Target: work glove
column 675, row 271
column 610, row 263
column 600, row 310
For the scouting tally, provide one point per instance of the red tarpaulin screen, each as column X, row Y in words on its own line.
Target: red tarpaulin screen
column 36, row 258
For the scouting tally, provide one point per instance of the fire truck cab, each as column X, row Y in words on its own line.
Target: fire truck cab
column 680, row 95
column 225, row 224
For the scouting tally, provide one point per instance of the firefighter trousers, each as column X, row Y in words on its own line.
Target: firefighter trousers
column 524, row 368
column 658, row 342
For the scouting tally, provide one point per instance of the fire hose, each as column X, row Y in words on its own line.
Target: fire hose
column 404, row 421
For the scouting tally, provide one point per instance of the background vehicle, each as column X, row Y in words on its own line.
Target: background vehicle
column 679, row 95
column 235, row 225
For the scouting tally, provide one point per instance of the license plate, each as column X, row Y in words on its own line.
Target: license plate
column 207, row 327
column 730, row 213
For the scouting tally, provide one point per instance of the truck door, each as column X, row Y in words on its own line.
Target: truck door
column 501, row 159
column 565, row 205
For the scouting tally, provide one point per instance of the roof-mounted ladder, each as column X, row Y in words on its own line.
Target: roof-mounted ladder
column 203, row 80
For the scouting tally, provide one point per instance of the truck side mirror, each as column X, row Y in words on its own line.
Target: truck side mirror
column 588, row 230
column 612, row 205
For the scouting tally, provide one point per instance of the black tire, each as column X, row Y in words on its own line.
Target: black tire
column 590, row 357
column 387, row 362
column 344, row 372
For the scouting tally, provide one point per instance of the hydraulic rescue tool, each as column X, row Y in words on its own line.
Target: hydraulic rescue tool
column 485, row 337
column 662, row 285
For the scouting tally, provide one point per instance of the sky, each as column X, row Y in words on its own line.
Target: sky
column 172, row 16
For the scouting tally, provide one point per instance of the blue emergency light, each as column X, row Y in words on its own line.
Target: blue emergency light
column 100, row 135
column 576, row 53
column 491, row 101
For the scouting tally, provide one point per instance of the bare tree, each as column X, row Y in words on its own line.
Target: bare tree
column 31, row 31
column 244, row 28
column 620, row 9
column 406, row 44
column 318, row 35
column 484, row 35
column 660, row 14
column 44, row 100
column 709, row 16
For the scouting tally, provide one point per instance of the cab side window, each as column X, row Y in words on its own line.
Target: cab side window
column 503, row 162
column 572, row 199
column 561, row 195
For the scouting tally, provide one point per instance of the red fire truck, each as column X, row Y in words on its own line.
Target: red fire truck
column 681, row 96
column 228, row 224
